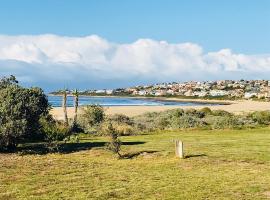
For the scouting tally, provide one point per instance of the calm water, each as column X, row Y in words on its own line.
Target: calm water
column 56, row 101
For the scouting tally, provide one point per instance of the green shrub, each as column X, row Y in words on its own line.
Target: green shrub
column 20, row 111
column 186, row 121
column 53, row 132
column 206, row 111
column 221, row 113
column 162, row 122
column 145, row 122
column 91, row 117
column 122, row 123
column 174, row 113
column 114, row 144
column 225, row 122
column 260, row 117
column 121, row 119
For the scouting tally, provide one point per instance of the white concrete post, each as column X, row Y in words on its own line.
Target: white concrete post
column 179, row 149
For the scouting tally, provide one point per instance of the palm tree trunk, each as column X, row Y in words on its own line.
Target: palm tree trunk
column 76, row 103
column 64, row 105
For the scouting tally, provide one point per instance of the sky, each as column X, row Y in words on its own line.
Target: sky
column 120, row 43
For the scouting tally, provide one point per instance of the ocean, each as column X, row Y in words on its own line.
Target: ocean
column 56, row 101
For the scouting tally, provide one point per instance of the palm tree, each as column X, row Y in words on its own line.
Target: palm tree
column 64, row 105
column 76, row 103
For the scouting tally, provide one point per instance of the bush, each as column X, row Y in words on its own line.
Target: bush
column 53, row 132
column 206, row 111
column 114, row 144
column 146, row 122
column 221, row 113
column 20, row 111
column 260, row 117
column 186, row 121
column 162, row 122
column 123, row 124
column 91, row 117
column 227, row 122
column 121, row 119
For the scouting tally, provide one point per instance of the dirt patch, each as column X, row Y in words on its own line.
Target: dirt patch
column 267, row 194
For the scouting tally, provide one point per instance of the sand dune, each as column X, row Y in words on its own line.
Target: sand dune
column 233, row 106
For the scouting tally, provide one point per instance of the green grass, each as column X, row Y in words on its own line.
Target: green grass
column 230, row 164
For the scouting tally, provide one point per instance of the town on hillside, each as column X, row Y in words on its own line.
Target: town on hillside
column 230, row 89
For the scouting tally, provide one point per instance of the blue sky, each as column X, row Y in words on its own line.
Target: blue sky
column 242, row 25
column 114, row 43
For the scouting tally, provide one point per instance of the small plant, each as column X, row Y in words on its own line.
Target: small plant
column 206, row 111
column 260, row 117
column 122, row 123
column 91, row 117
column 225, row 122
column 114, row 144
column 53, row 132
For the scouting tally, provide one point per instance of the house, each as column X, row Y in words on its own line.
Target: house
column 237, row 93
column 200, row 93
column 249, row 95
column 189, row 93
column 160, row 93
column 142, row 92
column 109, row 92
column 100, row 91
column 216, row 93
column 170, row 91
column 264, row 94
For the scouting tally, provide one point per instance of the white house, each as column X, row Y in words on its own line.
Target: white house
column 215, row 93
column 189, row 93
column 142, row 92
column 109, row 91
column 200, row 93
column 100, row 91
column 250, row 95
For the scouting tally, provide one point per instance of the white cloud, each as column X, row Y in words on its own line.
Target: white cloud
column 57, row 60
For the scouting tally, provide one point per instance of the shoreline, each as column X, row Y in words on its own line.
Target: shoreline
column 201, row 101
column 237, row 107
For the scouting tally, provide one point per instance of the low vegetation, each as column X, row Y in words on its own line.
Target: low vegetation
column 225, row 153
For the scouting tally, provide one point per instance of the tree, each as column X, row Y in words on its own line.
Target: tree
column 20, row 111
column 76, row 104
column 114, row 144
column 7, row 81
column 64, row 105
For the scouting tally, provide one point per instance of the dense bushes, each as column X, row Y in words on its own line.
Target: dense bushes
column 20, row 112
column 123, row 124
column 91, row 117
column 260, row 117
column 204, row 118
column 53, row 130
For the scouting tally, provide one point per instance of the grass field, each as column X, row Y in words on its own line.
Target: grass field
column 219, row 165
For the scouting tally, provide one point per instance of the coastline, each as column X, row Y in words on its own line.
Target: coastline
column 201, row 101
column 237, row 106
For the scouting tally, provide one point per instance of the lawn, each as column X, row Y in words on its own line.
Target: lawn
column 226, row 164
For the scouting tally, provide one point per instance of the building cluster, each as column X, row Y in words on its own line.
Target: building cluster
column 222, row 88
column 226, row 88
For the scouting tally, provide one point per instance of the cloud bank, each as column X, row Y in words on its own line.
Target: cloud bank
column 53, row 61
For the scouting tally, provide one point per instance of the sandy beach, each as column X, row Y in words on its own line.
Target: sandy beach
column 238, row 107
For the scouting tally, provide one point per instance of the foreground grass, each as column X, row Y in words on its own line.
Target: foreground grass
column 219, row 165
